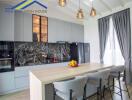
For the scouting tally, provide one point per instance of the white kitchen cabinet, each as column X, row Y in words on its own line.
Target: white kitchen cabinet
column 80, row 32
column 19, row 26
column 77, row 33
column 56, row 30
column 67, row 31
column 52, row 30
column 23, row 26
column 22, row 82
column 22, row 74
column 27, row 27
column 59, row 30
column 22, row 71
column 7, row 82
column 6, row 24
column 22, row 77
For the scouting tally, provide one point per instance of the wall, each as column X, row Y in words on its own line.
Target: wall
column 6, row 24
column 91, row 36
column 91, row 32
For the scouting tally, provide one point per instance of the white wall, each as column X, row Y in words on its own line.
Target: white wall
column 91, row 34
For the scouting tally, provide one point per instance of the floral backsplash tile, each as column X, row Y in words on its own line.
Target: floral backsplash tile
column 34, row 53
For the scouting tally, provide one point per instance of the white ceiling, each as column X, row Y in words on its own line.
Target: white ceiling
column 69, row 12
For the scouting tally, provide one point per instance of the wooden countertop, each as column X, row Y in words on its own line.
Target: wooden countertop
column 49, row 75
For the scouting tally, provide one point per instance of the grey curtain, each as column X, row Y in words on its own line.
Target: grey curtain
column 103, row 26
column 122, row 26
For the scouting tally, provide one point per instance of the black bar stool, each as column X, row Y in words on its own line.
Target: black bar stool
column 118, row 72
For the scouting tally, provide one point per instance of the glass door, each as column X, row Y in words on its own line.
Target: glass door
column 40, row 28
column 36, row 28
column 44, row 29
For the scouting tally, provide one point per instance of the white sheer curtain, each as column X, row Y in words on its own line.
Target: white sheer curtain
column 113, row 54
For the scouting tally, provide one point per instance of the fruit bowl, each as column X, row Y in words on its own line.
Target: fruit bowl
column 73, row 63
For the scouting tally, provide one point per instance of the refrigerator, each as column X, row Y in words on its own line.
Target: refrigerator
column 80, row 52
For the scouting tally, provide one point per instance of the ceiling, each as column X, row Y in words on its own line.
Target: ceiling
column 69, row 11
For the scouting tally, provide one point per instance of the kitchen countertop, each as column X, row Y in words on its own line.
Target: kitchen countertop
column 49, row 75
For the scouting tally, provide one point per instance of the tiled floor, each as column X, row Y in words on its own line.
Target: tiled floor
column 24, row 95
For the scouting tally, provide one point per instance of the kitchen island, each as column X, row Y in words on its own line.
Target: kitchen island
column 41, row 77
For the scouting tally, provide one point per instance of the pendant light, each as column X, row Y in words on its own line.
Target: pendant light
column 93, row 11
column 62, row 3
column 80, row 14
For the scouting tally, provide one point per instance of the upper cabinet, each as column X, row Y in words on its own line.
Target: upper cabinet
column 23, row 26
column 6, row 24
column 44, row 29
column 59, row 30
column 30, row 27
column 27, row 27
column 77, row 32
column 40, row 28
column 19, row 26
column 36, row 28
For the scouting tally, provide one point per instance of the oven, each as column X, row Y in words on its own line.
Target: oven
column 6, row 56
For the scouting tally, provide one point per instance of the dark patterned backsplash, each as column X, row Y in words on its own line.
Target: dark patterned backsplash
column 40, row 53
column 35, row 53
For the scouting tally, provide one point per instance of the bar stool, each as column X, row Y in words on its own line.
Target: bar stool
column 119, row 72
column 70, row 89
column 100, row 81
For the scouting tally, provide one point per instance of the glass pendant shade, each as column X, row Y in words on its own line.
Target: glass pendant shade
column 93, row 12
column 80, row 14
column 62, row 3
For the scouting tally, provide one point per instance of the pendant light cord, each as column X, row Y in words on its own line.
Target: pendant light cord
column 92, row 3
column 79, row 4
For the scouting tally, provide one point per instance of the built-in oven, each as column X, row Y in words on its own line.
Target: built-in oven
column 6, row 56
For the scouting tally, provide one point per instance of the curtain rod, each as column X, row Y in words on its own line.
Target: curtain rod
column 114, row 13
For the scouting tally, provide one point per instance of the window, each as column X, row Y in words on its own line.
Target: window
column 113, row 55
column 40, row 28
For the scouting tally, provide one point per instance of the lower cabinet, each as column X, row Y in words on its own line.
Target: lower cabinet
column 19, row 79
column 22, row 82
column 7, row 82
